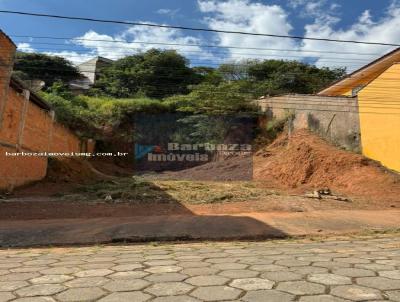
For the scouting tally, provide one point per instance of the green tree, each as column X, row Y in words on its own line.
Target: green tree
column 292, row 76
column 50, row 69
column 155, row 74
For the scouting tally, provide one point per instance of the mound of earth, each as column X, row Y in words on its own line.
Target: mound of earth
column 306, row 161
column 72, row 170
column 233, row 169
column 109, row 167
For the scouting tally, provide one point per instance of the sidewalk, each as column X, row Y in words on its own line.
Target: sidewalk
column 193, row 227
column 341, row 269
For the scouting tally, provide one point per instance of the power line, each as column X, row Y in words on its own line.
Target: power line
column 194, row 28
column 183, row 44
column 252, row 56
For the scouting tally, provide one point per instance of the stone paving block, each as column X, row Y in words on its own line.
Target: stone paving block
column 216, row 293
column 60, row 270
column 197, row 271
column 68, row 263
column 314, row 258
column 51, row 279
column 389, row 262
column 356, row 293
column 87, row 282
column 354, row 272
column 126, row 285
column 160, row 262
column 352, row 260
column 267, row 295
column 281, row 276
column 158, row 257
column 12, row 285
column 176, row 299
column 128, row 275
column 301, row 288
column 292, row 263
column 81, row 294
column 221, row 260
column 329, row 279
column 129, row 297
column 229, row 266
column 39, row 262
column 40, row 290
column 394, row 295
column 305, row 270
column 126, row 267
column 166, row 277
column 376, row 267
column 390, row 274
column 101, row 259
column 163, row 269
column 97, row 266
column 331, row 264
column 321, row 298
column 252, row 284
column 35, row 299
column 379, row 283
column 254, row 260
column 8, row 265
column 207, row 280
column 94, row 273
column 190, row 264
column 18, row 276
column 189, row 258
column 268, row 268
column 238, row 274
column 6, row 296
column 169, row 289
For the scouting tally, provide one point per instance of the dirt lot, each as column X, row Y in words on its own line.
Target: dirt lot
column 282, row 173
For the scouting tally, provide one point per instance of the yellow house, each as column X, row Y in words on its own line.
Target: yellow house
column 377, row 86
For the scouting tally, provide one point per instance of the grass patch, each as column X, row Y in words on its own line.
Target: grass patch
column 141, row 190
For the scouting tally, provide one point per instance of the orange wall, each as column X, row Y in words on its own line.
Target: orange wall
column 25, row 127
column 37, row 132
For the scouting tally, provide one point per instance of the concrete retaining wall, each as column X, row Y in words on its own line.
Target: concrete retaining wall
column 334, row 118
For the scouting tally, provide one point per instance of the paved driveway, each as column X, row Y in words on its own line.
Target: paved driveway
column 358, row 269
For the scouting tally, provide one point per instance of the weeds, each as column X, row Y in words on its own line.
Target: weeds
column 141, row 190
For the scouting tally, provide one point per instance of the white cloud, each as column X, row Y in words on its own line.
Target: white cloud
column 168, row 12
column 243, row 15
column 25, row 47
column 257, row 17
column 132, row 40
column 73, row 56
column 385, row 30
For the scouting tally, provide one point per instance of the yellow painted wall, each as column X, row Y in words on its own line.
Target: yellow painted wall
column 379, row 105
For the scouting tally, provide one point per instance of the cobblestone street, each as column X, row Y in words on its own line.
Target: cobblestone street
column 334, row 270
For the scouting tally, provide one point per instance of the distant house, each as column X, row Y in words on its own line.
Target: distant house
column 360, row 112
column 90, row 71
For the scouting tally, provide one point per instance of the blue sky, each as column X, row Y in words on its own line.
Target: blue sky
column 369, row 20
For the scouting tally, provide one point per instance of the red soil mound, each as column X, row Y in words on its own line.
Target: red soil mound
column 306, row 161
column 71, row 170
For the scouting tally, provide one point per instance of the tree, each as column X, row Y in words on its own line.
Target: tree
column 292, row 76
column 50, row 69
column 155, row 74
column 235, row 71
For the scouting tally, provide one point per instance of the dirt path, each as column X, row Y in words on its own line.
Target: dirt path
column 193, row 227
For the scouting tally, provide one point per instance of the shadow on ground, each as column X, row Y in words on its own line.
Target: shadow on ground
column 41, row 222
